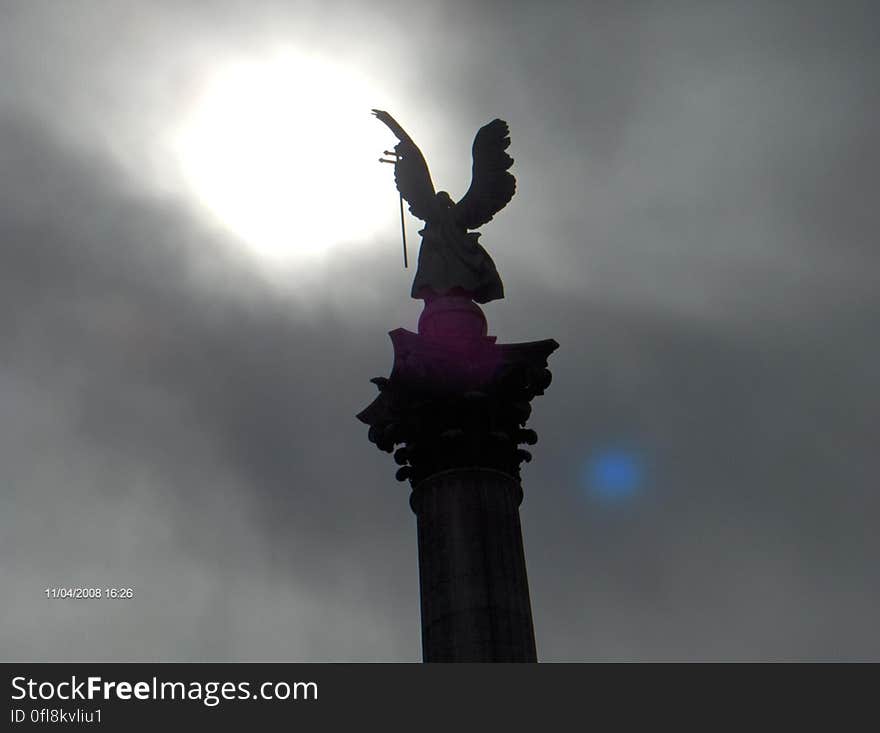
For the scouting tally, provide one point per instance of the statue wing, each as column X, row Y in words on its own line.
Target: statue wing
column 411, row 172
column 492, row 186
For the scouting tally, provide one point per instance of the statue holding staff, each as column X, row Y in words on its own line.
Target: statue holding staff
column 451, row 260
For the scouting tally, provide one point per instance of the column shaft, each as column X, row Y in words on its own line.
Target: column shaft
column 474, row 589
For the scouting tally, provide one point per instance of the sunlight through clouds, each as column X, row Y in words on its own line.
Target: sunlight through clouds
column 282, row 151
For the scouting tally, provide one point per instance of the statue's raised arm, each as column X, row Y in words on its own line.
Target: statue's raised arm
column 411, row 172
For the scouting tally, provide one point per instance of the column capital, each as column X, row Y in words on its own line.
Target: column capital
column 460, row 402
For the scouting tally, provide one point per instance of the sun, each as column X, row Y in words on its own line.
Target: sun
column 282, row 151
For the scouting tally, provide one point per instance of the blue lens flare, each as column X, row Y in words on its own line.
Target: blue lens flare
column 613, row 475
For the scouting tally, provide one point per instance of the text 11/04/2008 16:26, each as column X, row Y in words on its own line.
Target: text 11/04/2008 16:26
column 88, row 593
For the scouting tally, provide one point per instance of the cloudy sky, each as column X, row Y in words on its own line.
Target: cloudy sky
column 200, row 262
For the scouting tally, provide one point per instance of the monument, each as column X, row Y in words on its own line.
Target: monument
column 453, row 412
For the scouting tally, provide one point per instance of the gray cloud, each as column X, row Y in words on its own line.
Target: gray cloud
column 693, row 225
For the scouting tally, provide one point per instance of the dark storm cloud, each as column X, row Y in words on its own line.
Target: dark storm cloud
column 692, row 225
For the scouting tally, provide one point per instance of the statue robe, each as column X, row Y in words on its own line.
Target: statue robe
column 452, row 262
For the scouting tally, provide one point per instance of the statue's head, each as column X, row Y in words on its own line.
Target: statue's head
column 445, row 199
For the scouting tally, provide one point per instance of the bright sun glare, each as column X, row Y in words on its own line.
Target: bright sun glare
column 283, row 152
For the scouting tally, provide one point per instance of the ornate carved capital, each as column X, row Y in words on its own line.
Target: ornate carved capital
column 457, row 403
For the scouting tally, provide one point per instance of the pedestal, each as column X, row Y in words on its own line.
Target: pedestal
column 456, row 404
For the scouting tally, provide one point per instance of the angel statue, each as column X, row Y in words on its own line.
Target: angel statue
column 451, row 260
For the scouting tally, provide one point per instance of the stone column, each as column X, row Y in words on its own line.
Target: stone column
column 472, row 570
column 457, row 403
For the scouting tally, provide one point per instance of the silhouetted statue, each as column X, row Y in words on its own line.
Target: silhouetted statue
column 451, row 260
